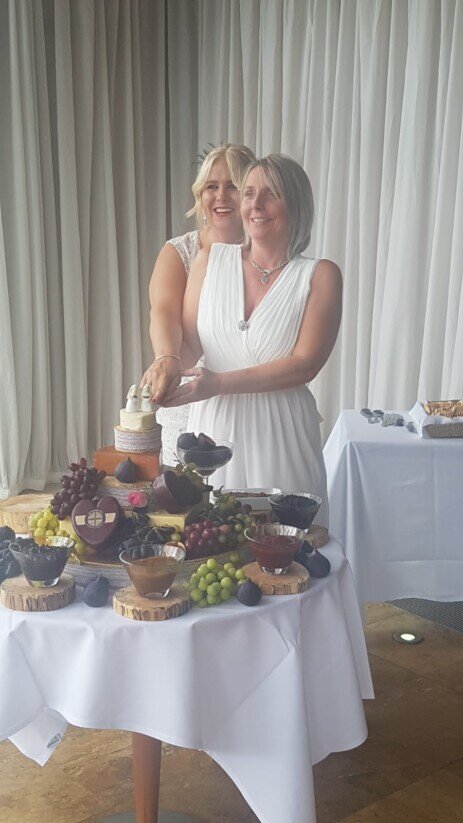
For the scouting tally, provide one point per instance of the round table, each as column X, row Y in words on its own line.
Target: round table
column 265, row 691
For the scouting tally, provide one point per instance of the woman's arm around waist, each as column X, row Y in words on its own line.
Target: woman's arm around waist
column 317, row 336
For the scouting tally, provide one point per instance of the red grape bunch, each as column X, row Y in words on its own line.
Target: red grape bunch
column 80, row 485
column 215, row 536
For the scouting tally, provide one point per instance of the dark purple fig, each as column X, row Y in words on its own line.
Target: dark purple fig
column 126, row 472
column 187, row 440
column 96, row 592
column 205, row 443
column 316, row 563
column 249, row 593
column 208, row 458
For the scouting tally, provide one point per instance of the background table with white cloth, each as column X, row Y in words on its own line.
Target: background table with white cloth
column 396, row 506
column 265, row 691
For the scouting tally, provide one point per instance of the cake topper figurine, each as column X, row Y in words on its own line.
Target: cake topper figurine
column 133, row 399
column 147, row 404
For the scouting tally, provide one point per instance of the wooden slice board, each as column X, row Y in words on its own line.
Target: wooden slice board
column 16, row 593
column 128, row 603
column 317, row 536
column 15, row 511
column 295, row 581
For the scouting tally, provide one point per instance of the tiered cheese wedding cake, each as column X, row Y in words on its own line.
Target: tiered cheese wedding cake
column 134, row 460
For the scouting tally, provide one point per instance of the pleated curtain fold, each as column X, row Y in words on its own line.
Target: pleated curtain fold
column 83, row 207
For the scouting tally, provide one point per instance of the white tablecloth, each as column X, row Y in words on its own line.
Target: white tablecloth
column 265, row 691
column 396, row 505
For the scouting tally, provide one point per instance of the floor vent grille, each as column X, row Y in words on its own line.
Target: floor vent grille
column 449, row 615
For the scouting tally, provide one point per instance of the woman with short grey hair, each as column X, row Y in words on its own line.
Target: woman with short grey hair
column 266, row 319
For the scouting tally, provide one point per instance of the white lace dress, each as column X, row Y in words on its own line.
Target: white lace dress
column 187, row 246
column 276, row 434
column 174, row 421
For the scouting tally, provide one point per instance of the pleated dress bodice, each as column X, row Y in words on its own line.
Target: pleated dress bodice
column 276, row 434
column 229, row 340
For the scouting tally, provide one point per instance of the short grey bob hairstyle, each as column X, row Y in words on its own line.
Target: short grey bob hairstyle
column 237, row 158
column 288, row 180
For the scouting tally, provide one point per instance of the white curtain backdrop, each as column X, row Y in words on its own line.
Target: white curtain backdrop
column 368, row 96
column 83, row 208
column 105, row 106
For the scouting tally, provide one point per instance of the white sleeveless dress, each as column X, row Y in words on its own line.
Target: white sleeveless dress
column 174, row 421
column 276, row 434
column 187, row 245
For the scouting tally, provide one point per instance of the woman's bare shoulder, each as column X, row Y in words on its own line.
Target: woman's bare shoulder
column 168, row 267
column 327, row 276
column 169, row 252
column 326, row 267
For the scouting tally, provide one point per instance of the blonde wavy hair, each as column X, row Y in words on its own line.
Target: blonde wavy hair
column 237, row 158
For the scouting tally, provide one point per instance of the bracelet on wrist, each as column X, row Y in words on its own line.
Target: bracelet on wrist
column 161, row 356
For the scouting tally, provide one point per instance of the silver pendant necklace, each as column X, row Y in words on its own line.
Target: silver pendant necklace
column 265, row 273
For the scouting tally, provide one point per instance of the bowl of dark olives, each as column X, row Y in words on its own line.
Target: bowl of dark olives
column 42, row 566
column 298, row 509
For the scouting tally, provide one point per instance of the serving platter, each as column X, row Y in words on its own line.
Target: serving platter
column 257, row 498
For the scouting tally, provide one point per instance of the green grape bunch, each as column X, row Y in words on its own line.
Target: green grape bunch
column 227, row 504
column 213, row 583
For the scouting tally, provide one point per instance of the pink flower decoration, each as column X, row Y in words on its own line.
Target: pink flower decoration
column 138, row 500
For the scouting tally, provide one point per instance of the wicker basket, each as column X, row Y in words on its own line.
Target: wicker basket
column 86, row 570
column 445, row 430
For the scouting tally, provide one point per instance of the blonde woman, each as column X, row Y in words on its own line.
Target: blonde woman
column 217, row 212
column 266, row 319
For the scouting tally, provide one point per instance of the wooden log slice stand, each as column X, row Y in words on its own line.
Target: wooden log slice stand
column 128, row 603
column 16, row 593
column 295, row 581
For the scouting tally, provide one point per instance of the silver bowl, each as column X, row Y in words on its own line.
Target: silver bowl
column 274, row 557
column 301, row 517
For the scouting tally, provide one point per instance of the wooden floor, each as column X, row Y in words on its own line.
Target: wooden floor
column 410, row 769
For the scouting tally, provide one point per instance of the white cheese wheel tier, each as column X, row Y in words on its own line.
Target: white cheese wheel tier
column 110, row 485
column 137, row 421
column 129, row 441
